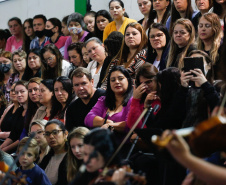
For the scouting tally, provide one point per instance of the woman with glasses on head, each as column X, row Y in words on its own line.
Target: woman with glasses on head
column 7, row 119
column 209, row 37
column 12, row 141
column 33, row 66
column 53, row 64
column 38, row 127
column 55, row 162
column 158, row 45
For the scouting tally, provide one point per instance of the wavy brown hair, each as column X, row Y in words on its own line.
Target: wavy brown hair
column 124, row 50
column 217, row 36
column 173, row 46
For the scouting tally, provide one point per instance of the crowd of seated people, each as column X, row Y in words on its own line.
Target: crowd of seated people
column 78, row 86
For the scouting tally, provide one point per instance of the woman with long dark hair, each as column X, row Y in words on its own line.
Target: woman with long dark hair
column 53, row 31
column 53, row 64
column 102, row 18
column 159, row 13
column 62, row 97
column 114, row 107
column 219, row 8
column 145, row 8
column 28, row 34
column 158, row 45
column 55, row 162
column 33, row 66
column 46, row 99
column 180, row 9
column 4, row 35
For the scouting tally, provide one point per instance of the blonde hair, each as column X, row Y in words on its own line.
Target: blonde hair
column 32, row 144
column 72, row 166
column 20, row 53
column 216, row 27
column 173, row 46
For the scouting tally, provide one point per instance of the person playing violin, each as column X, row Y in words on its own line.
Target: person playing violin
column 205, row 171
column 99, row 146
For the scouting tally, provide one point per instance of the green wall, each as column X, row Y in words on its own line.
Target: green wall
column 80, row 6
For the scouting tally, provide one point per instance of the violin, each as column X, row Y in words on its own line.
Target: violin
column 16, row 178
column 207, row 137
column 107, row 173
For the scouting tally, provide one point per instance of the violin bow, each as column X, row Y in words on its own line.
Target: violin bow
column 222, row 106
column 127, row 136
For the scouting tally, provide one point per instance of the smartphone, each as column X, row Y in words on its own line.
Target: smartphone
column 192, row 63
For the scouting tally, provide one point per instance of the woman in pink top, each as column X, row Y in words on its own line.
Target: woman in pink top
column 15, row 42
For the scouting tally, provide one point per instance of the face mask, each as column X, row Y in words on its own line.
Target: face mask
column 75, row 30
column 4, row 68
column 40, row 34
column 48, row 33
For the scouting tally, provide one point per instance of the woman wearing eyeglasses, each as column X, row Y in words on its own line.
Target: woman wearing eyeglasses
column 38, row 127
column 209, row 37
column 53, row 64
column 54, row 163
column 144, row 94
column 158, row 45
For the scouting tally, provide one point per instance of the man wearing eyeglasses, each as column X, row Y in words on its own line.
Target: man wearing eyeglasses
column 87, row 98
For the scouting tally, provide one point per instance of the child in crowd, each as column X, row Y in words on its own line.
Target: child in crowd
column 34, row 174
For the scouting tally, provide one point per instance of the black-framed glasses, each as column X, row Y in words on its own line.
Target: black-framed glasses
column 54, row 133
